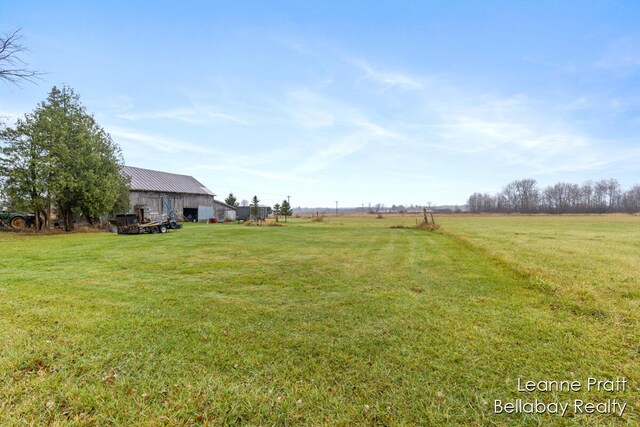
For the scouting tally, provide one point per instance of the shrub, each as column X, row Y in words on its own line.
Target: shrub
column 428, row 226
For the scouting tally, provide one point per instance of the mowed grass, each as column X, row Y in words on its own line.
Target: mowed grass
column 341, row 322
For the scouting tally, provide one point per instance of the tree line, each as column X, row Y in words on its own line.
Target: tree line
column 279, row 209
column 59, row 157
column 524, row 196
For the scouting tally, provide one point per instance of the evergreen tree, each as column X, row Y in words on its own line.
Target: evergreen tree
column 255, row 208
column 231, row 200
column 59, row 155
column 25, row 167
column 276, row 210
column 285, row 209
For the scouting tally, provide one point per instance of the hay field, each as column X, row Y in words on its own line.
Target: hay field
column 347, row 321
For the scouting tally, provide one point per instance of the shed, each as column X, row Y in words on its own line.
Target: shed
column 244, row 212
column 187, row 195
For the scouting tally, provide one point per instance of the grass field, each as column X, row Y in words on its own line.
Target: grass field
column 341, row 322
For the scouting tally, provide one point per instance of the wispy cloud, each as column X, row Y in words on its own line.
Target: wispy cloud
column 157, row 142
column 360, row 134
column 312, row 118
column 180, row 115
column 10, row 116
column 580, row 103
column 260, row 173
column 387, row 79
column 538, row 149
column 432, row 119
column 622, row 55
column 334, row 129
column 187, row 115
column 326, row 155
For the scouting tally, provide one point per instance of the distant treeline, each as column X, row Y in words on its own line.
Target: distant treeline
column 375, row 209
column 524, row 196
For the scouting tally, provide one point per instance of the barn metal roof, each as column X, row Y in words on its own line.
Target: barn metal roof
column 150, row 180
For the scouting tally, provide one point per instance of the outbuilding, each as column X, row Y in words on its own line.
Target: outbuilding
column 244, row 212
column 188, row 196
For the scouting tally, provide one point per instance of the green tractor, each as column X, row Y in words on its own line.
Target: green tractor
column 16, row 220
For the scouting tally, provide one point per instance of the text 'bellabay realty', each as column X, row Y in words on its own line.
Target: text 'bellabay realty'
column 609, row 406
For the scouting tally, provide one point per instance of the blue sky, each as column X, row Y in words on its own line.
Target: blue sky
column 360, row 102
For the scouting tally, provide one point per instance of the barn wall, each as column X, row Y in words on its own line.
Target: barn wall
column 178, row 201
column 223, row 211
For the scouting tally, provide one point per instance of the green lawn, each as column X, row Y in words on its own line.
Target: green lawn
column 341, row 322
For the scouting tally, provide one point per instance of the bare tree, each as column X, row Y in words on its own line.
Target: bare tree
column 474, row 203
column 12, row 68
column 613, row 194
column 528, row 195
column 631, row 199
column 600, row 191
column 586, row 195
column 523, row 196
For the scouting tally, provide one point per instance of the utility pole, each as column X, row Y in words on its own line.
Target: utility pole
column 289, row 199
column 336, row 208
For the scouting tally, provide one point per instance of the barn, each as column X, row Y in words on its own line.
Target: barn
column 187, row 196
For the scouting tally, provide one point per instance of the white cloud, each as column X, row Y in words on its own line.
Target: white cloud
column 622, row 55
column 376, row 131
column 312, row 118
column 132, row 137
column 10, row 116
column 335, row 130
column 327, row 155
column 581, row 103
column 388, row 79
column 180, row 115
column 257, row 172
column 188, row 115
column 537, row 148
column 360, row 133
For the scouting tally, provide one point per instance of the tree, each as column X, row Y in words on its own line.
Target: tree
column 613, row 194
column 586, row 196
column 3, row 193
column 231, row 200
column 509, row 197
column 600, row 190
column 59, row 155
column 527, row 195
column 12, row 68
column 520, row 196
column 276, row 210
column 602, row 196
column 474, row 203
column 285, row 209
column 255, row 208
column 631, row 199
column 25, row 167
column 244, row 202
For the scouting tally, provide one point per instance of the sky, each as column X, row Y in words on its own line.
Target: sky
column 394, row 102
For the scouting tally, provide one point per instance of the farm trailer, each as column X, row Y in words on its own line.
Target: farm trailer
column 128, row 224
